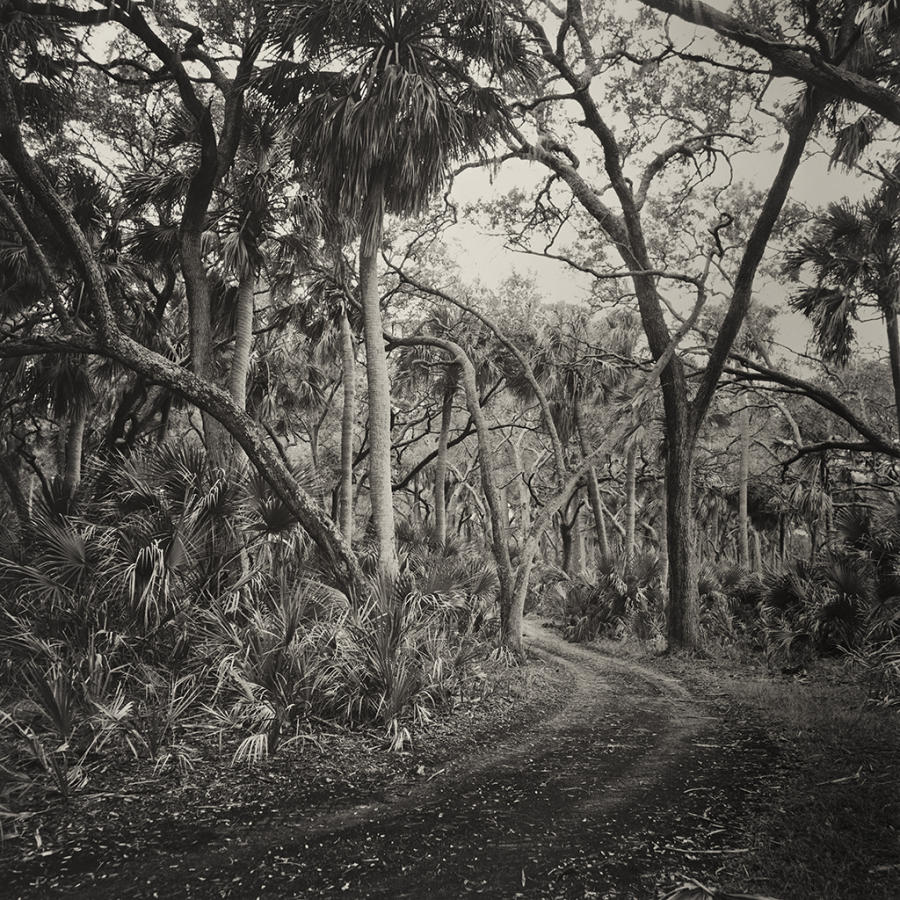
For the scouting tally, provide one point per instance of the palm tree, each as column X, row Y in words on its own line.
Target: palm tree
column 854, row 254
column 380, row 135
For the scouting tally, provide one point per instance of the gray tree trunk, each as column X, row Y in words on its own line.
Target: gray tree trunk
column 348, row 427
column 440, row 464
column 630, row 498
column 380, row 496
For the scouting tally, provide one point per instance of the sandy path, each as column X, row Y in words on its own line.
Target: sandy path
column 604, row 798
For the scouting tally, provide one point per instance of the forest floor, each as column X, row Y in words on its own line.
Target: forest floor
column 584, row 775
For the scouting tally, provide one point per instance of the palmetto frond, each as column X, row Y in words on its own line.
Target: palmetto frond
column 832, row 312
column 851, row 141
column 165, row 188
column 158, row 244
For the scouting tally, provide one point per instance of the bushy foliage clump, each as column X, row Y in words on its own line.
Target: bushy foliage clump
column 179, row 602
column 624, row 597
column 846, row 600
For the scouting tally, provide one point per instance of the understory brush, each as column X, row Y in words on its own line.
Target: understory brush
column 624, row 598
column 845, row 602
column 177, row 610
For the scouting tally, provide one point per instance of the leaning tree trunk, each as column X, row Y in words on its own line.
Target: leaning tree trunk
column 511, row 611
column 743, row 516
column 440, row 465
column 523, row 471
column 380, row 496
column 348, row 427
column 243, row 339
column 113, row 344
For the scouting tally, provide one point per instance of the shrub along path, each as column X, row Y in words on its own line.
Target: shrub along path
column 629, row 783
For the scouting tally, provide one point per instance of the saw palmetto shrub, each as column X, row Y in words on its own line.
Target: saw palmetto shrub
column 622, row 598
column 181, row 607
column 847, row 600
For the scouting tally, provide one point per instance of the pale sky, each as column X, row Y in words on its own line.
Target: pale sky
column 814, row 185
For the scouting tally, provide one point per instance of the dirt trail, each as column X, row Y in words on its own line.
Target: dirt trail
column 609, row 797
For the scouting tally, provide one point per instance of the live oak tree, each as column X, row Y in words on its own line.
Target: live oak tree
column 570, row 58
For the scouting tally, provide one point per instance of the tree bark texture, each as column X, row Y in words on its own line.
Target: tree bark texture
column 348, row 427
column 743, row 516
column 243, row 340
column 630, row 498
column 593, row 489
column 682, row 625
column 893, row 336
column 74, row 450
column 380, row 496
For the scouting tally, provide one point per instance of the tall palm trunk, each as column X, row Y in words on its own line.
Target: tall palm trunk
column 379, row 386
column 440, row 465
column 578, row 546
column 565, row 535
column 243, row 339
column 592, row 487
column 743, row 517
column 348, row 427
column 630, row 498
column 893, row 336
column 10, row 478
column 74, row 450
column 664, row 533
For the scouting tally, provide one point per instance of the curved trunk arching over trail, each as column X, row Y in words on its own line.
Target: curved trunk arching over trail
column 510, row 613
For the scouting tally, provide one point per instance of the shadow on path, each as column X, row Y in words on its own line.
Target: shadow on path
column 624, row 787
